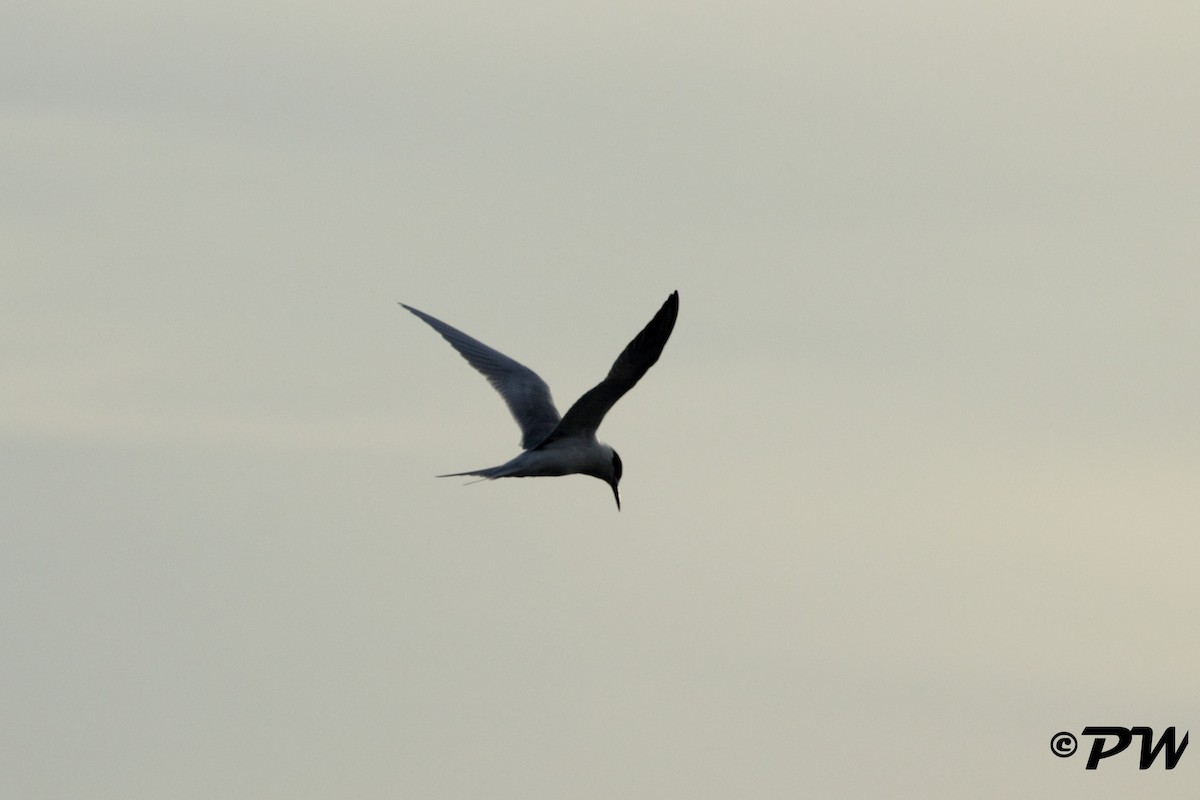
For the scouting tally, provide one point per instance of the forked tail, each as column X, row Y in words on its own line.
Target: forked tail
column 486, row 474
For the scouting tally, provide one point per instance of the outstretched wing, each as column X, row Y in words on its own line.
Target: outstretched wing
column 526, row 394
column 585, row 416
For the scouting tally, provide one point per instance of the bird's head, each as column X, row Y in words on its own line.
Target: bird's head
column 615, row 478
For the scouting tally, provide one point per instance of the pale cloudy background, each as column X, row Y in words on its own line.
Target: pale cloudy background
column 913, row 487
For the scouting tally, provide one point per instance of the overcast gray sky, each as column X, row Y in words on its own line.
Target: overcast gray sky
column 913, row 487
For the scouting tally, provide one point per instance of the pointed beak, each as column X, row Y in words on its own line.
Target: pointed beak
column 616, row 495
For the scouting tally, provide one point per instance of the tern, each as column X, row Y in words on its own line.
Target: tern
column 553, row 444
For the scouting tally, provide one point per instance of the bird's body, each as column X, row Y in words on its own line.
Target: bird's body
column 565, row 445
column 562, row 457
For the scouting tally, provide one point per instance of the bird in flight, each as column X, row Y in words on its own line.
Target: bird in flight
column 553, row 444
